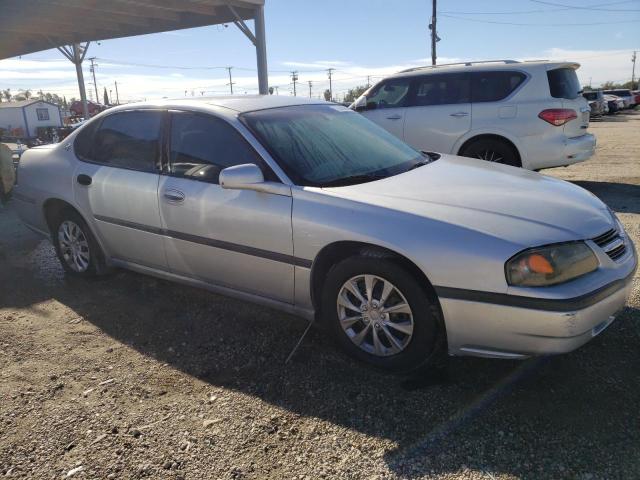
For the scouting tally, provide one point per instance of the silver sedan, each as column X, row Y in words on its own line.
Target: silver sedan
column 311, row 208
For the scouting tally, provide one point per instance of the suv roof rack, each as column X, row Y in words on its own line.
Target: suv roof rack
column 466, row 64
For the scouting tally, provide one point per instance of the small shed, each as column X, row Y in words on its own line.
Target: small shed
column 22, row 119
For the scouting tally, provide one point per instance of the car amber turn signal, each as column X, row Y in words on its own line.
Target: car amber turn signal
column 544, row 266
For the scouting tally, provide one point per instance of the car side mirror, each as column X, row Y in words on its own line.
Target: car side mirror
column 249, row 177
column 241, row 177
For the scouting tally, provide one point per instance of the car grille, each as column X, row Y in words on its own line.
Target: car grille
column 612, row 244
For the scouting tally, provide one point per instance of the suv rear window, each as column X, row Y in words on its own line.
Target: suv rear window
column 494, row 86
column 563, row 83
column 590, row 95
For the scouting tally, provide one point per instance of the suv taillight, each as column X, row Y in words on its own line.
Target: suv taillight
column 557, row 116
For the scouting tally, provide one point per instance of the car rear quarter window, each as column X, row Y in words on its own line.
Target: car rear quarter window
column 202, row 146
column 83, row 142
column 441, row 90
column 494, row 86
column 563, row 83
column 128, row 140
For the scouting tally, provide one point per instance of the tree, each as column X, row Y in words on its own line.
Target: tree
column 327, row 95
column 26, row 94
column 354, row 93
column 270, row 90
column 106, row 97
column 7, row 94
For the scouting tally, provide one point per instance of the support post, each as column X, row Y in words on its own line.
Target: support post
column 261, row 52
column 78, row 57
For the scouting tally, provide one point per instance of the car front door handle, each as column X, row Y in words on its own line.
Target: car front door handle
column 394, row 117
column 83, row 179
column 460, row 114
column 174, row 195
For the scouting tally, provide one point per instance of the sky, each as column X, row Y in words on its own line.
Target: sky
column 358, row 38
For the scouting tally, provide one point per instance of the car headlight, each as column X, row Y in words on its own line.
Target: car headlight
column 550, row 265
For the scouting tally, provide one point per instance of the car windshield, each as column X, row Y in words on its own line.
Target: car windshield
column 330, row 145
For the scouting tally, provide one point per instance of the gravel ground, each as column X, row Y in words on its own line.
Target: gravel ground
column 132, row 377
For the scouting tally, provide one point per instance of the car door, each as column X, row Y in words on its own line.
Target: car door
column 386, row 105
column 439, row 112
column 117, row 181
column 239, row 239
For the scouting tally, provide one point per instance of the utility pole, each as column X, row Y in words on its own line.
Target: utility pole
column 93, row 72
column 277, row 92
column 368, row 81
column 230, row 82
column 434, row 37
column 294, row 79
column 329, row 73
column 310, row 85
column 117, row 96
column 633, row 72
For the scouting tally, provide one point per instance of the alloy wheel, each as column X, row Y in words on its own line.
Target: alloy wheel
column 74, row 246
column 375, row 315
column 489, row 156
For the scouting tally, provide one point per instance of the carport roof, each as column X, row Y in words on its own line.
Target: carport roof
column 28, row 26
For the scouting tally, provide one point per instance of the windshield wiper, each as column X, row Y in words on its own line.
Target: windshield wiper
column 430, row 157
column 353, row 179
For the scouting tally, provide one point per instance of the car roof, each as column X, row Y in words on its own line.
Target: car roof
column 236, row 103
column 484, row 66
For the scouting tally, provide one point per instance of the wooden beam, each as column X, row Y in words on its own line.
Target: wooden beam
column 70, row 14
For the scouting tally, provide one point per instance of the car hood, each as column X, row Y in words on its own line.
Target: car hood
column 510, row 203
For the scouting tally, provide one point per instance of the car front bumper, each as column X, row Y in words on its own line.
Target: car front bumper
column 506, row 326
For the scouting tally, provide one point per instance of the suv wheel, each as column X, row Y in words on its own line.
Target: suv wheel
column 492, row 150
column 77, row 249
column 378, row 313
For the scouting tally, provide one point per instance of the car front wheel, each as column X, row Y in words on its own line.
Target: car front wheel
column 380, row 314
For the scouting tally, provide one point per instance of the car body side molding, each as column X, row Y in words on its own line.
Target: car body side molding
column 233, row 247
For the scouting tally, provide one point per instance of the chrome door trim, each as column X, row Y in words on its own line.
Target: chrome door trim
column 210, row 242
column 222, row 290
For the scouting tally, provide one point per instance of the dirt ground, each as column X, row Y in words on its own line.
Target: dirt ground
column 130, row 377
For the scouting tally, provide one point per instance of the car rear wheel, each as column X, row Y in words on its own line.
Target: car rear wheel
column 76, row 247
column 492, row 150
column 379, row 314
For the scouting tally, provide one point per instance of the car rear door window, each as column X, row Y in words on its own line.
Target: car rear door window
column 393, row 93
column 202, row 146
column 494, row 86
column 563, row 83
column 128, row 140
column 441, row 90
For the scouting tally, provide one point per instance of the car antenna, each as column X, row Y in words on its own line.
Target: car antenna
column 295, row 348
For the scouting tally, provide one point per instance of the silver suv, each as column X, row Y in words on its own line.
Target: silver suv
column 525, row 114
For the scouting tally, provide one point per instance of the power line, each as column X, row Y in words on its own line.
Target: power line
column 592, row 7
column 538, row 24
column 520, row 12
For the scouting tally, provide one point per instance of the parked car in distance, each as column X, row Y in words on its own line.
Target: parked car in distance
column 614, row 103
column 309, row 207
column 597, row 103
column 94, row 108
column 627, row 97
column 636, row 94
column 525, row 114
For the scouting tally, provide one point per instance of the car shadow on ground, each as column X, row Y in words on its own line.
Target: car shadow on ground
column 621, row 197
column 561, row 410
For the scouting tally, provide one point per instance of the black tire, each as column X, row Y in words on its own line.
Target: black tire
column 492, row 150
column 96, row 263
column 427, row 339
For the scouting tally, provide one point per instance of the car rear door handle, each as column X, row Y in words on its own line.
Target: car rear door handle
column 174, row 195
column 83, row 179
column 394, row 117
column 459, row 114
